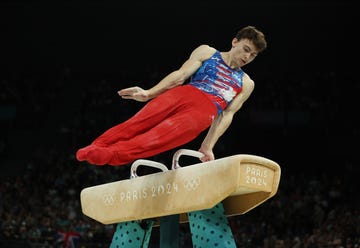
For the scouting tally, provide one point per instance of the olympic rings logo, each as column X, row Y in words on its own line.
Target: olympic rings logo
column 108, row 200
column 192, row 183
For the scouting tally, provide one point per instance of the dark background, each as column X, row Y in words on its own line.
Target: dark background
column 303, row 107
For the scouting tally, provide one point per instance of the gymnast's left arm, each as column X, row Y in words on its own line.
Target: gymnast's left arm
column 223, row 121
column 173, row 79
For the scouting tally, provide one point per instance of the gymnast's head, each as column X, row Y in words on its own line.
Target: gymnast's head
column 253, row 35
column 246, row 45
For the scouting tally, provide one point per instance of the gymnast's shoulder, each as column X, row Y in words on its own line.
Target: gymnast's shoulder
column 203, row 51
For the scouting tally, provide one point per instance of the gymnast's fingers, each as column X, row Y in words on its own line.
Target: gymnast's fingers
column 128, row 91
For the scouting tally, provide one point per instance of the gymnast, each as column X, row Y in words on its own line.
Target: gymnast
column 205, row 92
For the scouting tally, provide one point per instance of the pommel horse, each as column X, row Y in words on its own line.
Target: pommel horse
column 220, row 188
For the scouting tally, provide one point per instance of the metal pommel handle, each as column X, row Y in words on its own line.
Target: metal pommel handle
column 145, row 162
column 176, row 157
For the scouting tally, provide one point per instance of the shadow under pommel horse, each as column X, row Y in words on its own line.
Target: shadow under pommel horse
column 203, row 194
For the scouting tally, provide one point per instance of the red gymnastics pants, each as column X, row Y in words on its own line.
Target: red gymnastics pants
column 172, row 119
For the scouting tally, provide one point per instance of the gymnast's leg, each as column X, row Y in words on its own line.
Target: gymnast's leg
column 182, row 124
column 150, row 115
column 173, row 132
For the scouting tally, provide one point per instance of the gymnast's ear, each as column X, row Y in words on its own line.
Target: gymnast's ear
column 234, row 42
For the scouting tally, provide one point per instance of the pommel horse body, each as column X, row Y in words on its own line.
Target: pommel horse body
column 239, row 183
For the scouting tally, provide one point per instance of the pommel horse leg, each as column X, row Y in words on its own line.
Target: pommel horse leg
column 209, row 227
column 132, row 234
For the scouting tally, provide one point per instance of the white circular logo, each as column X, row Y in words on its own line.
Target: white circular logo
column 191, row 183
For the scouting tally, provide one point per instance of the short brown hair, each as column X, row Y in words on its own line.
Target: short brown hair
column 253, row 34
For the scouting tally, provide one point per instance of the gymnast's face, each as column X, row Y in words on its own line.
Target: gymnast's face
column 243, row 52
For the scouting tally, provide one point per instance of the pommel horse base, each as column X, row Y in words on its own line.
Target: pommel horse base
column 238, row 183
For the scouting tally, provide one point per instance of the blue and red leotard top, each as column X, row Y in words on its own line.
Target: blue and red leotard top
column 218, row 81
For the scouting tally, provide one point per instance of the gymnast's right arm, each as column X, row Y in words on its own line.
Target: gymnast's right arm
column 175, row 78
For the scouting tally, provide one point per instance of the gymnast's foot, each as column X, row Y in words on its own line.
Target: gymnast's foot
column 95, row 155
column 99, row 155
column 81, row 154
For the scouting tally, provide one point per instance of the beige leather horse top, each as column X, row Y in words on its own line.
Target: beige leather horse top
column 241, row 181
